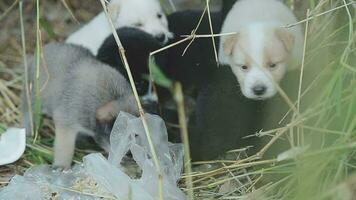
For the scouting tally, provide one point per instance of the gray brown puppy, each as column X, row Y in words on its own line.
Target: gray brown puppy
column 78, row 92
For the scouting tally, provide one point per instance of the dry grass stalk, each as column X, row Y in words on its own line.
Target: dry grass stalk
column 8, row 10
column 208, row 182
column 320, row 14
column 70, row 11
column 24, row 55
column 184, row 135
column 212, row 32
column 133, row 86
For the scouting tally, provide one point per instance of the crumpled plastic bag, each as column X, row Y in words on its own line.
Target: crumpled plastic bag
column 99, row 177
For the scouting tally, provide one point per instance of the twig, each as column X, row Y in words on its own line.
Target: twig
column 317, row 78
column 300, row 137
column 133, row 86
column 45, row 68
column 318, row 15
column 3, row 91
column 303, row 63
column 84, row 193
column 210, row 35
column 212, row 32
column 178, row 94
column 195, row 30
column 350, row 40
column 38, row 53
column 170, row 46
column 323, row 130
column 275, row 138
column 70, row 11
column 27, row 88
column 7, row 11
column 172, row 5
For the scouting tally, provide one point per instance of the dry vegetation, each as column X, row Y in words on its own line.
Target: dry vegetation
column 321, row 135
column 56, row 24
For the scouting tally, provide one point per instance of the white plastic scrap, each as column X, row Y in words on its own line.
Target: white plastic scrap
column 128, row 134
column 110, row 180
column 12, row 145
column 42, row 183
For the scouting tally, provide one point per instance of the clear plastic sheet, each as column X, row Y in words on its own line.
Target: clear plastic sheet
column 101, row 178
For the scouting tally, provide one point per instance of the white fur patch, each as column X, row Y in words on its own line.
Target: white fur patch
column 257, row 75
column 146, row 15
column 256, row 40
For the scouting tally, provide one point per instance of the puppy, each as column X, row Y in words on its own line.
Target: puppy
column 80, row 93
column 263, row 49
column 146, row 15
column 223, row 117
column 138, row 45
column 192, row 68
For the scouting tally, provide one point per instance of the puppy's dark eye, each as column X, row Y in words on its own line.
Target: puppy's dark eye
column 244, row 67
column 272, row 65
column 138, row 24
column 159, row 15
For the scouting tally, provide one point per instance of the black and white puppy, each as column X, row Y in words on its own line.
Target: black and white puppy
column 138, row 45
column 192, row 68
column 146, row 15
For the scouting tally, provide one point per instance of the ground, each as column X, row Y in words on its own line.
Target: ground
column 326, row 126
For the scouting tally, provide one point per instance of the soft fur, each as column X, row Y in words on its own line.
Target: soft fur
column 146, row 15
column 222, row 115
column 262, row 50
column 80, row 94
column 192, row 68
column 138, row 45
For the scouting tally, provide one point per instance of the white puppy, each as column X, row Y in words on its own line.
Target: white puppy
column 263, row 49
column 146, row 15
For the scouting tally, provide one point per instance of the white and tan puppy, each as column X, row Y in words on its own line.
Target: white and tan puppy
column 263, row 49
column 146, row 15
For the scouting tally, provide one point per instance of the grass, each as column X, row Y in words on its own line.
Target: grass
column 325, row 128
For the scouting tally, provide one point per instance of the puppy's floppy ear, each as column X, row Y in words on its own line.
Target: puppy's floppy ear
column 230, row 43
column 107, row 112
column 286, row 37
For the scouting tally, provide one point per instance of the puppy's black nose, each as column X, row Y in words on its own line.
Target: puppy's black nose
column 161, row 37
column 259, row 90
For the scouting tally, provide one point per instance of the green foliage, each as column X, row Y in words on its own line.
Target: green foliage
column 158, row 76
column 47, row 27
column 2, row 128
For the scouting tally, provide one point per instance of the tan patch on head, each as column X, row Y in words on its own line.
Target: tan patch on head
column 239, row 49
column 286, row 38
column 275, row 50
column 229, row 44
column 277, row 54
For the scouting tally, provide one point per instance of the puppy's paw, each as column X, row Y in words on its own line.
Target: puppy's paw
column 58, row 168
